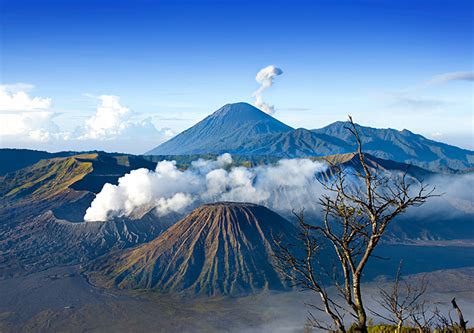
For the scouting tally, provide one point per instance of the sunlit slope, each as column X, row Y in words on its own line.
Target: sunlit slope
column 53, row 182
column 222, row 248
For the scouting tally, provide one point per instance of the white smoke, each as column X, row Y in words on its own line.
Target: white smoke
column 290, row 184
column 265, row 78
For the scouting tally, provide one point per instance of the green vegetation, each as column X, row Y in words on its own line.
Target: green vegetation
column 48, row 177
column 49, row 183
column 407, row 329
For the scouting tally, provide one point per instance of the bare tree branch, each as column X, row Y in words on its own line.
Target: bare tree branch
column 358, row 205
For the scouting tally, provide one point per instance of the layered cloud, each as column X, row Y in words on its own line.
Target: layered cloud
column 30, row 121
column 416, row 102
column 452, row 76
column 265, row 78
column 290, row 184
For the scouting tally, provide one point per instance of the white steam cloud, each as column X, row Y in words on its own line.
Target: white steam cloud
column 265, row 78
column 290, row 184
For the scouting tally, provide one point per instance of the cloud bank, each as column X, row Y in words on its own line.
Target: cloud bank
column 265, row 77
column 30, row 121
column 290, row 184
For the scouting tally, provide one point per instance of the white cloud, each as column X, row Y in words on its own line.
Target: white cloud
column 23, row 123
column 27, row 121
column 111, row 119
column 23, row 117
column 452, row 76
column 116, row 127
column 15, row 97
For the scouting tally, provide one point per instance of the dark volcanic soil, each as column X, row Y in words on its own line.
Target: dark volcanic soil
column 61, row 300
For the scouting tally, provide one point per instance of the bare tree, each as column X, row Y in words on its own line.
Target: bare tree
column 402, row 300
column 358, row 207
column 442, row 323
column 421, row 318
column 305, row 273
column 462, row 323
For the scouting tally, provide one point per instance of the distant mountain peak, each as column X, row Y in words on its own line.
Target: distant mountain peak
column 241, row 112
column 237, row 107
column 230, row 126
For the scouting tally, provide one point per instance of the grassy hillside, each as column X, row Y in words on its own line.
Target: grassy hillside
column 16, row 159
column 53, row 182
column 46, row 178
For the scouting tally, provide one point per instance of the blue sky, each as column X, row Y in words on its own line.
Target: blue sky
column 171, row 63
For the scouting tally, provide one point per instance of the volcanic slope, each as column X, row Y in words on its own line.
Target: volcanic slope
column 218, row 249
column 42, row 208
column 226, row 128
column 51, row 183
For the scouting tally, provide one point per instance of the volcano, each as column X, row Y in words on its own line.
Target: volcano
column 218, row 249
column 228, row 127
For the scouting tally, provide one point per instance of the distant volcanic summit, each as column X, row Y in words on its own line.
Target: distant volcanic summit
column 230, row 126
column 221, row 248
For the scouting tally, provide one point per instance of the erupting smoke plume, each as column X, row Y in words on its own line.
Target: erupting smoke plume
column 290, row 184
column 265, row 78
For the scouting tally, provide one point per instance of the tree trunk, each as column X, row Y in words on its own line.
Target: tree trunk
column 399, row 326
column 361, row 325
column 339, row 325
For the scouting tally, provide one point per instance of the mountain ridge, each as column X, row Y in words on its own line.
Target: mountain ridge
column 225, row 131
column 53, row 182
column 404, row 146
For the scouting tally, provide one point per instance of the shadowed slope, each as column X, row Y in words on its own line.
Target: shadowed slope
column 228, row 127
column 47, row 241
column 404, row 146
column 298, row 143
column 223, row 248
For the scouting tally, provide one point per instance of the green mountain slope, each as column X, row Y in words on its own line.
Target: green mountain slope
column 51, row 183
